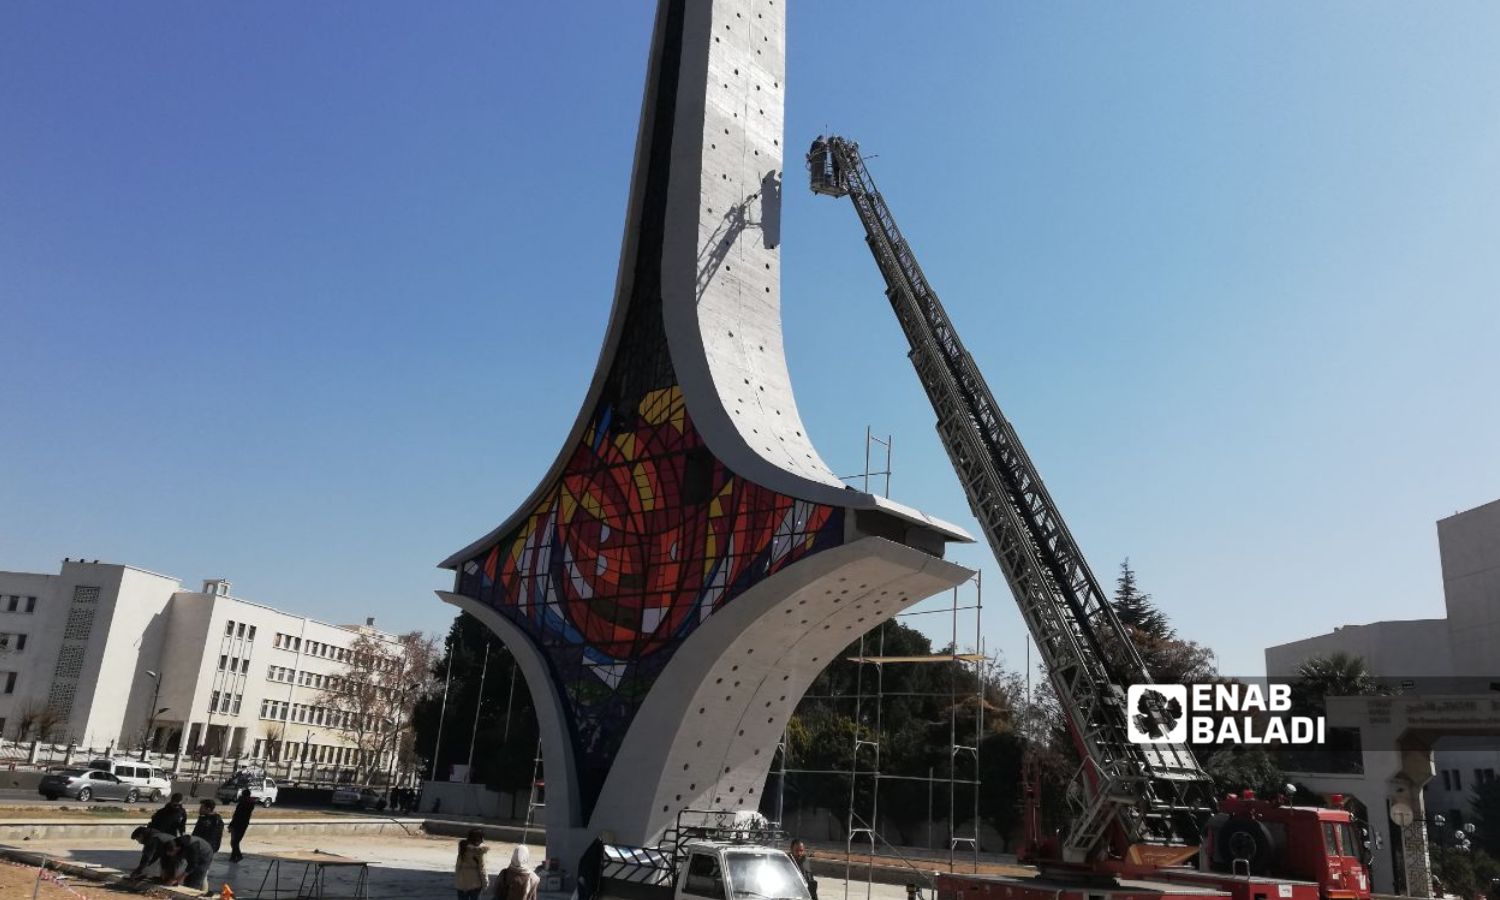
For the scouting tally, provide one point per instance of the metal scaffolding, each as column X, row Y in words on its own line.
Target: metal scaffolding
column 866, row 771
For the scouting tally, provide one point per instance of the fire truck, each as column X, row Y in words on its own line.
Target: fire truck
column 1139, row 812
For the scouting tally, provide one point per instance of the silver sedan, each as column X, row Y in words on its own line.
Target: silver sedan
column 85, row 785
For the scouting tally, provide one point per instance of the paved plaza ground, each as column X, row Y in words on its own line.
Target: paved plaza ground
column 418, row 867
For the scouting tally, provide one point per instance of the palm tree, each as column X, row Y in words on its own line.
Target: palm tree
column 1336, row 675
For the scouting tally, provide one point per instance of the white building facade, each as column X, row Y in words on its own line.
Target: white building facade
column 104, row 655
column 1452, row 662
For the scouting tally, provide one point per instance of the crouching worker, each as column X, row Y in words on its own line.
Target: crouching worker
column 184, row 859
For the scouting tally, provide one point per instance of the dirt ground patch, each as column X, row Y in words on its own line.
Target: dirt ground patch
column 19, row 881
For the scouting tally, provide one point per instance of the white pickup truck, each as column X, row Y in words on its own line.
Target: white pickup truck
column 700, row 870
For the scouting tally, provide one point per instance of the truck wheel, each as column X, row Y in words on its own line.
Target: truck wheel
column 265, row 802
column 1249, row 840
column 132, row 796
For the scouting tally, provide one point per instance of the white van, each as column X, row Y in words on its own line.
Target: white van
column 152, row 783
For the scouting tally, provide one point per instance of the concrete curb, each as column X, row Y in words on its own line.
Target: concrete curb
column 90, row 872
column 13, row 831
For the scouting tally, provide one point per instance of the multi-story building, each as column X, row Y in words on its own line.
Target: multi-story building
column 111, row 655
column 1448, row 660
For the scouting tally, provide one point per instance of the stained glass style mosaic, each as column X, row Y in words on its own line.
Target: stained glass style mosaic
column 644, row 536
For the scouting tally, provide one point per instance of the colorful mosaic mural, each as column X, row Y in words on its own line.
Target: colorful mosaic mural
column 644, row 536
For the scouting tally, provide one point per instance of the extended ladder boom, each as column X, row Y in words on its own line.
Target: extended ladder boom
column 1137, row 806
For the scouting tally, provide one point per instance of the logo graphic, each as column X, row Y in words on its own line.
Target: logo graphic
column 1225, row 713
column 1158, row 713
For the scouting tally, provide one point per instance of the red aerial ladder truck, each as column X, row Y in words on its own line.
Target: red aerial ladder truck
column 1138, row 811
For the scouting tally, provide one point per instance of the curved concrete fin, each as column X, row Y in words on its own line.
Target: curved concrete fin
column 688, row 508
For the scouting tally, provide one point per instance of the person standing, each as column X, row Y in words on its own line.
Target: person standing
column 210, row 825
column 171, row 819
column 239, row 823
column 469, row 874
column 516, row 881
column 804, row 865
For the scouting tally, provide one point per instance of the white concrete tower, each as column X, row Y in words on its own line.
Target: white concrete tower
column 689, row 564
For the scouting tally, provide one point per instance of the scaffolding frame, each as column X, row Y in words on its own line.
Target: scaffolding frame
column 863, row 813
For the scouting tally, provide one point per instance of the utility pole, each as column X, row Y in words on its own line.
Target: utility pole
column 442, row 713
column 484, row 672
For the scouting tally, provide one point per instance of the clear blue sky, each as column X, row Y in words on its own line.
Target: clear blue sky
column 307, row 295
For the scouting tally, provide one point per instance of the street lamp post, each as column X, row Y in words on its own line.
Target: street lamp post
column 151, row 720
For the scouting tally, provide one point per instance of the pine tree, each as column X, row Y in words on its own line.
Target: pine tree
column 1135, row 609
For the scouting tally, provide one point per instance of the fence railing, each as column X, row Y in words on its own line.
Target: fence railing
column 189, row 767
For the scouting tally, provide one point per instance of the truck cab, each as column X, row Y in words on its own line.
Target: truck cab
column 1309, row 843
column 701, row 870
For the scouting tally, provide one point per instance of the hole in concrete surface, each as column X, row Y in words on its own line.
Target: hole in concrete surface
column 804, row 621
column 692, row 787
column 664, row 807
column 700, row 710
column 726, row 770
column 718, row 681
column 731, row 790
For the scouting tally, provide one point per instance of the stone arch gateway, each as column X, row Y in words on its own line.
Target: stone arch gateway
column 689, row 564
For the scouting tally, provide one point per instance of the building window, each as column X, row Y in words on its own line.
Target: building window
column 12, row 642
column 251, row 635
column 235, row 707
column 245, row 666
column 229, row 629
column 213, row 701
column 223, row 661
column 1483, row 776
column 10, row 682
column 31, row 604
column 241, row 630
column 13, row 602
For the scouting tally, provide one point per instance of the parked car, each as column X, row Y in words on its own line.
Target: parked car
column 263, row 789
column 154, row 783
column 358, row 797
column 87, row 784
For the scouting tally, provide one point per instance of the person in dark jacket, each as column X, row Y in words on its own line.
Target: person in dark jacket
column 193, row 856
column 239, row 823
column 210, row 825
column 804, row 865
column 153, row 843
column 170, row 819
